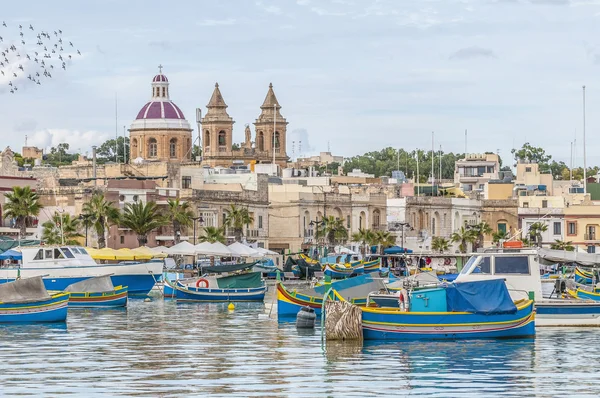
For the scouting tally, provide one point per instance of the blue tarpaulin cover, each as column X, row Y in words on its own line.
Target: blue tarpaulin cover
column 11, row 254
column 481, row 297
column 396, row 250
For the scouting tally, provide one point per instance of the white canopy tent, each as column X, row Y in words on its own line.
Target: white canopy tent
column 343, row 250
column 243, row 250
column 214, row 249
column 182, row 248
column 266, row 252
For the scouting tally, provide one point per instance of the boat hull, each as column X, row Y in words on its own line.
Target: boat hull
column 219, row 295
column 51, row 310
column 139, row 278
column 118, row 298
column 290, row 302
column 336, row 272
column 567, row 313
column 391, row 324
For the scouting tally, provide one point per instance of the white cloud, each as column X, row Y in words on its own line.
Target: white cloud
column 217, row 22
column 271, row 9
column 79, row 141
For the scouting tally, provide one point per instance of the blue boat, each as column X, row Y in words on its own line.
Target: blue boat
column 98, row 292
column 466, row 310
column 583, row 276
column 242, row 287
column 28, row 301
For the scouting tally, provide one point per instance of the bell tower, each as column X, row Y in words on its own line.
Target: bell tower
column 271, row 129
column 217, row 130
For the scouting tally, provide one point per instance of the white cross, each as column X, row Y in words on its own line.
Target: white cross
column 160, row 69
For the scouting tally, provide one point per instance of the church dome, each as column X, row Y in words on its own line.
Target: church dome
column 160, row 112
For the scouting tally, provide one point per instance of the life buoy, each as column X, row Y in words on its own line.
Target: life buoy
column 446, row 261
column 403, row 300
column 428, row 260
column 408, row 261
column 200, row 281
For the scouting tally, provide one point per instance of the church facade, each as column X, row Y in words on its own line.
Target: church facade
column 269, row 135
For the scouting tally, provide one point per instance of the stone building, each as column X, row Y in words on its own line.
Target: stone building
column 217, row 134
column 160, row 130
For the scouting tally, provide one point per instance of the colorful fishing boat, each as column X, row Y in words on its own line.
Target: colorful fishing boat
column 372, row 265
column 28, row 301
column 467, row 310
column 584, row 294
column 583, row 276
column 98, row 292
column 241, row 287
column 338, row 271
column 308, row 260
column 354, row 290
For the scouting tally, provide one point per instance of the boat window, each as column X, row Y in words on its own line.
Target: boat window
column 58, row 254
column 484, row 265
column 512, row 265
column 67, row 252
column 82, row 251
column 48, row 254
column 466, row 269
column 39, row 255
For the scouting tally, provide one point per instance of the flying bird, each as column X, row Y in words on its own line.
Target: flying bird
column 78, row 52
column 4, row 23
column 14, row 74
column 30, row 27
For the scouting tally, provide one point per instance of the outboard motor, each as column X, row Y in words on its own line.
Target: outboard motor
column 560, row 286
column 306, row 318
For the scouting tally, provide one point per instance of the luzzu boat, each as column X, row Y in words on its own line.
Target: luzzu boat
column 65, row 265
column 97, row 292
column 354, row 290
column 338, row 271
column 372, row 265
column 241, row 287
column 467, row 310
column 28, row 301
column 520, row 268
column 583, row 276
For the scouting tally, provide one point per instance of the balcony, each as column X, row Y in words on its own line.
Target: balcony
column 590, row 236
column 255, row 233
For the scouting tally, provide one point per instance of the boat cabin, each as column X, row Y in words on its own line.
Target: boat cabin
column 517, row 266
column 50, row 256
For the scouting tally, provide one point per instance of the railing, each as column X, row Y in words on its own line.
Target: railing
column 590, row 236
column 309, row 232
column 255, row 233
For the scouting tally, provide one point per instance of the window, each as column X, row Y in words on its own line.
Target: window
column 525, row 204
column 502, row 227
column 571, row 228
column 152, row 148
column 557, row 229
column 544, row 204
column 591, row 232
column 433, row 226
column 376, row 218
column 67, row 252
column 484, row 265
column 222, row 138
column 591, row 249
column 164, row 92
column 173, row 148
column 186, row 182
column 348, row 222
column 83, row 251
column 48, row 254
column 39, row 255
column 207, row 139
column 528, row 169
column 277, row 141
column 512, row 265
column 122, row 239
column 58, row 254
column 260, row 141
column 260, row 225
column 224, row 218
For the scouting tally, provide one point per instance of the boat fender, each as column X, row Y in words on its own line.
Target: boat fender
column 200, row 281
column 403, row 300
column 408, row 261
column 446, row 261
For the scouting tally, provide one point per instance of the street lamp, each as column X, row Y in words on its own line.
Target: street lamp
column 402, row 225
column 201, row 222
column 317, row 224
column 86, row 220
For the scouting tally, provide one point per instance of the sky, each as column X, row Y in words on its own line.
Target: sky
column 351, row 75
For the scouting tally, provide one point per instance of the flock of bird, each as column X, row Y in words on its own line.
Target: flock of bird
column 34, row 55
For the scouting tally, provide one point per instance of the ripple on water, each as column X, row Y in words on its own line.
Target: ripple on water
column 168, row 349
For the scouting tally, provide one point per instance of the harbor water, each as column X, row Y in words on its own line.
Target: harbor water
column 161, row 348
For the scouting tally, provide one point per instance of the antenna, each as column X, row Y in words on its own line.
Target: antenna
column 116, row 130
column 584, row 160
column 328, row 147
column 25, row 139
column 199, row 124
column 465, row 143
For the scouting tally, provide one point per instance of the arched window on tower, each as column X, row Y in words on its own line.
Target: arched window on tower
column 164, row 92
column 207, row 141
column 222, row 141
column 173, row 148
column 134, row 147
column 152, row 148
column 276, row 145
column 260, row 141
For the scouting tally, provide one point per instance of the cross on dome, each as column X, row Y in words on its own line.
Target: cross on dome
column 160, row 69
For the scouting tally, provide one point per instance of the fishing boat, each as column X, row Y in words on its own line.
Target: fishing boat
column 27, row 300
column 468, row 310
column 520, row 268
column 97, row 292
column 338, row 271
column 240, row 287
column 62, row 266
column 354, row 290
column 266, row 267
column 372, row 265
column 583, row 276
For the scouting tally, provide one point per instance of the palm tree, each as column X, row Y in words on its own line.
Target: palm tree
column 99, row 213
column 61, row 229
column 463, row 236
column 212, row 235
column 498, row 236
column 364, row 237
column 180, row 215
column 562, row 245
column 480, row 230
column 383, row 239
column 236, row 218
column 440, row 243
column 142, row 218
column 22, row 204
column 535, row 232
column 332, row 230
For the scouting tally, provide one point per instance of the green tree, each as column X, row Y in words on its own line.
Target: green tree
column 236, row 218
column 235, row 146
column 142, row 218
column 364, row 237
column 59, row 155
column 61, row 229
column 332, row 229
column 99, row 213
column 529, row 153
column 180, row 214
column 196, row 153
column 535, row 232
column 463, row 236
column 212, row 235
column 499, row 235
column 562, row 245
column 383, row 239
column 23, row 205
column 440, row 244
column 480, row 230
column 106, row 151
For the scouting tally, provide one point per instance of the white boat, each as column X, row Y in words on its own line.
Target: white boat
column 65, row 265
column 520, row 268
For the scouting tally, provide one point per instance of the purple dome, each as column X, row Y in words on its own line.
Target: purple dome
column 160, row 78
column 160, row 110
